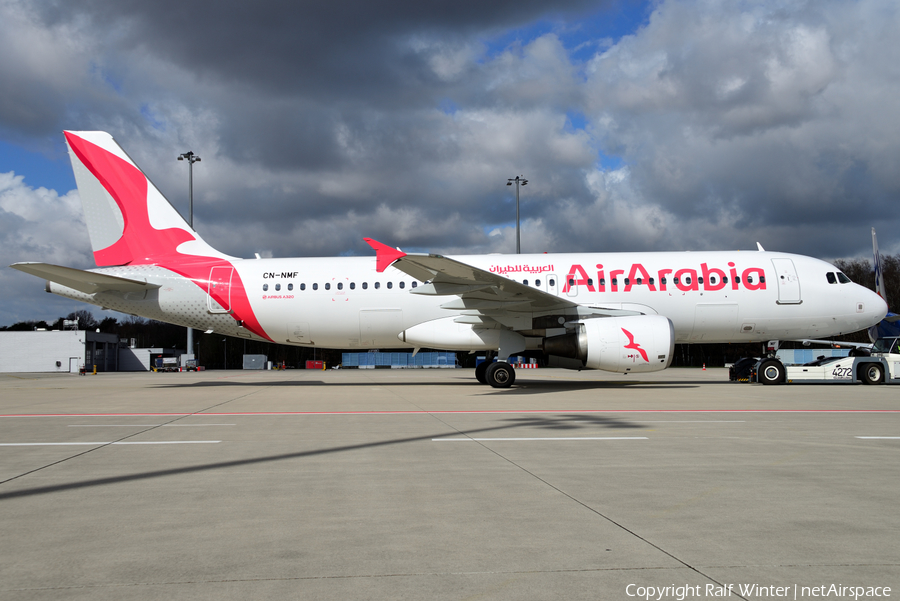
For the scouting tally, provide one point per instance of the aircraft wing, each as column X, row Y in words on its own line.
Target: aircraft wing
column 83, row 281
column 479, row 291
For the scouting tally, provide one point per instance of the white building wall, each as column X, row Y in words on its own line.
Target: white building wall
column 41, row 351
column 136, row 359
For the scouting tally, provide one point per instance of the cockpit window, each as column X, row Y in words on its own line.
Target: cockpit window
column 842, row 278
column 831, row 278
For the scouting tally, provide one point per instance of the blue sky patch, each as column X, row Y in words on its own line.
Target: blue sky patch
column 38, row 169
column 582, row 35
column 575, row 120
column 448, row 107
column 609, row 162
column 150, row 117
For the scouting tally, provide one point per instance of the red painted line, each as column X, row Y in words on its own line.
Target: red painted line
column 98, row 414
column 445, row 412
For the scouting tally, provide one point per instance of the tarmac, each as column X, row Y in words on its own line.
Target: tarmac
column 423, row 484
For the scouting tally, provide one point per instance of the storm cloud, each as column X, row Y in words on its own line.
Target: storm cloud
column 694, row 125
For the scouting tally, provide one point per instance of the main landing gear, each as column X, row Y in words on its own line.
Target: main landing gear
column 499, row 375
column 481, row 372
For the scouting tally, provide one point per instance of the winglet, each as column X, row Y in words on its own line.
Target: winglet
column 384, row 254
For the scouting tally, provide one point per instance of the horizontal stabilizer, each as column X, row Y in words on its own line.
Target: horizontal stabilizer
column 83, row 281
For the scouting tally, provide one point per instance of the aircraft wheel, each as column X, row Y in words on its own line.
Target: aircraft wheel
column 873, row 373
column 771, row 372
column 481, row 370
column 501, row 375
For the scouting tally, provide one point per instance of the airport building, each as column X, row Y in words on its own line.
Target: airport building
column 67, row 351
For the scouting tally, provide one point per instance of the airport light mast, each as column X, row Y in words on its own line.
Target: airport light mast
column 191, row 159
column 518, row 180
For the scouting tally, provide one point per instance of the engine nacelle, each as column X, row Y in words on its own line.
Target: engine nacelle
column 633, row 344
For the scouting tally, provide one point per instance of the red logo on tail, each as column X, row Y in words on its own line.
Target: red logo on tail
column 634, row 345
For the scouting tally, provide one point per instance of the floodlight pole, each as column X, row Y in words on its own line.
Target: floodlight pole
column 517, row 180
column 191, row 159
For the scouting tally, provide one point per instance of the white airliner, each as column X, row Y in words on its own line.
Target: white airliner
column 619, row 312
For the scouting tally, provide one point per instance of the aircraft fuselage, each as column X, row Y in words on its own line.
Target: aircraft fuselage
column 343, row 302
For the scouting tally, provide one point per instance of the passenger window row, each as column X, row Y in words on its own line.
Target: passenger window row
column 550, row 281
column 537, row 283
column 340, row 286
column 663, row 281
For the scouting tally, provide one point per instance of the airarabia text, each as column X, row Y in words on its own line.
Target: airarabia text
column 686, row 279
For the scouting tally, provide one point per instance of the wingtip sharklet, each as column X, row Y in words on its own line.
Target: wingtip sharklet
column 384, row 255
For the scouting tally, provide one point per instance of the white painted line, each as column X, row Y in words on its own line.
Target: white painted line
column 68, row 444
column 879, row 437
column 144, row 425
column 558, row 438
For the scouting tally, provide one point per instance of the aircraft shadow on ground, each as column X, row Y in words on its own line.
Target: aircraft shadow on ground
column 573, row 422
column 307, row 383
column 545, row 422
column 522, row 386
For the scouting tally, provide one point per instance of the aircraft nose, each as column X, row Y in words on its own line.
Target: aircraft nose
column 874, row 306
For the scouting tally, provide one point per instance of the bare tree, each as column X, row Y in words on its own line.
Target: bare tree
column 85, row 319
column 862, row 272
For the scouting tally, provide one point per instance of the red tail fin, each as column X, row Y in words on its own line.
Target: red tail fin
column 129, row 221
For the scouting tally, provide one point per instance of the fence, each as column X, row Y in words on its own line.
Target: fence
column 439, row 359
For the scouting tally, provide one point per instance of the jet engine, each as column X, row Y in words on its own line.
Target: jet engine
column 633, row 344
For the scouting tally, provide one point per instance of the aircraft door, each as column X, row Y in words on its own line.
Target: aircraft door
column 218, row 298
column 788, row 282
column 570, row 285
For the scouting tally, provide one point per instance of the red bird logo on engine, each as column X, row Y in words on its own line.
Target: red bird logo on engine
column 634, row 345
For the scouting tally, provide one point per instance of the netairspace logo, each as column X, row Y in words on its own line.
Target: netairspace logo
column 686, row 591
